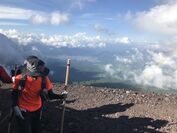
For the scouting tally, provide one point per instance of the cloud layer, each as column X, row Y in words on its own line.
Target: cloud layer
column 146, row 64
column 76, row 40
column 153, row 67
column 161, row 19
column 33, row 16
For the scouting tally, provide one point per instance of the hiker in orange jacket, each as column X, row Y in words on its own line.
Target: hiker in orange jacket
column 4, row 77
column 28, row 99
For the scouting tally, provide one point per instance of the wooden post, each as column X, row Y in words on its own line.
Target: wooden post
column 64, row 100
column 67, row 72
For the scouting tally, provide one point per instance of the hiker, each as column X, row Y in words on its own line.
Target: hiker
column 28, row 96
column 4, row 77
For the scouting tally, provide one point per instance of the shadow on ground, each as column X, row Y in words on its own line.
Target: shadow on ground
column 96, row 120
column 93, row 120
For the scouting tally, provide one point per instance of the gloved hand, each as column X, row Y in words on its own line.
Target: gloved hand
column 18, row 112
column 52, row 95
column 64, row 94
column 13, row 79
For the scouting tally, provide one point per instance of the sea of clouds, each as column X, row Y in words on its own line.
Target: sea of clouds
column 147, row 64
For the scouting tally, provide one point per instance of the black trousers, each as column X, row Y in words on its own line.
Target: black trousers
column 31, row 122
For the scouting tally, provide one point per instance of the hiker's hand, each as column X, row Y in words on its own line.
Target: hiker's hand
column 64, row 94
column 13, row 79
column 18, row 112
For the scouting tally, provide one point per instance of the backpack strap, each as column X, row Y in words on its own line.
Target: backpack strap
column 44, row 91
column 43, row 83
column 22, row 82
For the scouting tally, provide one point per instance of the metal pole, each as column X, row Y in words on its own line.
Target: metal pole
column 64, row 100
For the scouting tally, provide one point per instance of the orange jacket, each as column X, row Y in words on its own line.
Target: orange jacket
column 30, row 99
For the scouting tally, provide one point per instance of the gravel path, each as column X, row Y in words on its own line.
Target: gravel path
column 106, row 110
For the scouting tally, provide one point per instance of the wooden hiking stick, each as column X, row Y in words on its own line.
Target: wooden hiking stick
column 64, row 100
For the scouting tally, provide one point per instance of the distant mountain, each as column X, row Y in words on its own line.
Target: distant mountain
column 10, row 52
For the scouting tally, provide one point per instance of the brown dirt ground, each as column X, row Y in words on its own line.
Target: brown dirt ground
column 105, row 110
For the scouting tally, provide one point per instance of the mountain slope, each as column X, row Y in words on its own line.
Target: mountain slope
column 106, row 110
column 10, row 52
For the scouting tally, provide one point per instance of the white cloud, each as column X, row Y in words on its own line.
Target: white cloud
column 147, row 66
column 21, row 38
column 154, row 75
column 12, row 33
column 80, row 3
column 38, row 19
column 123, row 40
column 84, row 58
column 35, row 48
column 138, row 55
column 160, row 19
column 162, row 59
column 34, row 16
column 7, row 12
column 151, row 75
column 123, row 60
column 100, row 28
column 58, row 18
column 76, row 40
column 109, row 69
column 159, row 69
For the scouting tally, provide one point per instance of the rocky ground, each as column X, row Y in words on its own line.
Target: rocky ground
column 105, row 110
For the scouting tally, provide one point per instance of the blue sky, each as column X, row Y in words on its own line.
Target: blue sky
column 107, row 18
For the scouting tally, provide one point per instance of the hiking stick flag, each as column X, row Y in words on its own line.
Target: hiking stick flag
column 65, row 88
